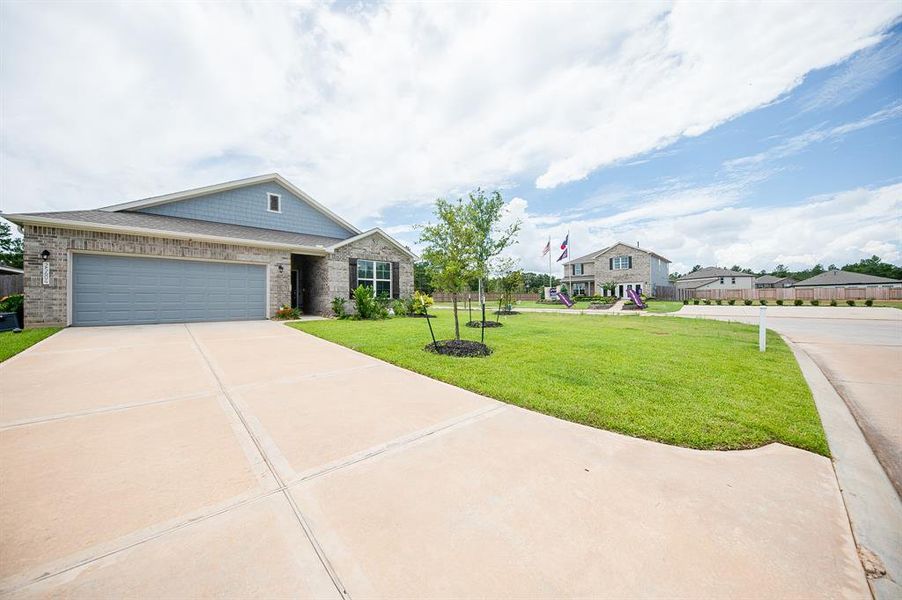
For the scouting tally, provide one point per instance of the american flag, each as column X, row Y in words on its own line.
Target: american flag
column 547, row 248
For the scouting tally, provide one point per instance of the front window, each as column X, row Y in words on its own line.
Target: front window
column 579, row 289
column 578, row 269
column 376, row 275
column 734, row 280
column 620, row 263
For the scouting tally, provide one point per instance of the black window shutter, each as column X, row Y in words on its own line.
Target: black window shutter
column 610, row 264
column 630, row 260
column 352, row 276
column 395, row 280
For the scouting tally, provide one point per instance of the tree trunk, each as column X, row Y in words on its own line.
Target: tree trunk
column 456, row 322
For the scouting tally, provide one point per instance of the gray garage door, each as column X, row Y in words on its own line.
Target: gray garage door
column 119, row 290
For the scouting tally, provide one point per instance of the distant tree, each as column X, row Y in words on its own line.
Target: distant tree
column 11, row 249
column 832, row 267
column 533, row 282
column 875, row 266
column 735, row 268
column 422, row 277
column 780, row 271
column 696, row 268
column 448, row 251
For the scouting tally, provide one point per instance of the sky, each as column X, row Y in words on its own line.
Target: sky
column 711, row 133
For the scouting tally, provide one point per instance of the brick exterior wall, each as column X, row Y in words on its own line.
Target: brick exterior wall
column 47, row 304
column 640, row 273
column 333, row 269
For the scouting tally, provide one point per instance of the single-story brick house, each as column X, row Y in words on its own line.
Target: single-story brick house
column 231, row 251
column 837, row 278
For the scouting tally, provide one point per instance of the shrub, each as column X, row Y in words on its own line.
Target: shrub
column 338, row 307
column 400, row 308
column 12, row 303
column 814, row 302
column 798, row 302
column 695, row 301
column 685, row 302
column 731, row 301
column 286, row 312
column 763, row 302
column 833, row 302
column 850, row 302
column 368, row 306
column 707, row 301
column 419, row 303
column 869, row 302
column 779, row 302
column 747, row 302
column 719, row 301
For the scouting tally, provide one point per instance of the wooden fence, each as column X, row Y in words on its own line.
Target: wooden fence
column 788, row 294
column 474, row 296
column 12, row 283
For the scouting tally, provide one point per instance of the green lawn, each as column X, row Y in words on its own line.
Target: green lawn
column 689, row 382
column 13, row 343
column 664, row 306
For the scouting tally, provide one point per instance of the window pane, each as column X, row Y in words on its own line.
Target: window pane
column 365, row 282
column 383, row 287
column 364, row 269
column 383, row 270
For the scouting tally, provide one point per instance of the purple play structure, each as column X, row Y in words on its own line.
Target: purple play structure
column 565, row 299
column 635, row 297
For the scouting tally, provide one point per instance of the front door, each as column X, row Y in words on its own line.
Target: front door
column 620, row 291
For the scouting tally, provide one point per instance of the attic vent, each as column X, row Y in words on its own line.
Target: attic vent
column 274, row 203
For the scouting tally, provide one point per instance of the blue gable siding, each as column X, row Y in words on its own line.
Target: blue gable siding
column 248, row 206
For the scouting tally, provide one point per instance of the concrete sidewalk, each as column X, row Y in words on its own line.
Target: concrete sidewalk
column 251, row 460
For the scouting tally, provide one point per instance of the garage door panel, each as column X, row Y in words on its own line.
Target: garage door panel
column 124, row 289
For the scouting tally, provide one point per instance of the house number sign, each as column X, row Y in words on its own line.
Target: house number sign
column 45, row 273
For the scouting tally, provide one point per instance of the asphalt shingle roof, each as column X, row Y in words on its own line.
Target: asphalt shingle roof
column 187, row 226
column 837, row 277
column 708, row 272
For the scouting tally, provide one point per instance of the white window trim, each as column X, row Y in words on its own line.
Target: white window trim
column 624, row 260
column 374, row 278
column 578, row 269
column 269, row 197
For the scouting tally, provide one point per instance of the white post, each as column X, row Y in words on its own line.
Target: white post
column 762, row 329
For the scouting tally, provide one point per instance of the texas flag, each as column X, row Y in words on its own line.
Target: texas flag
column 565, row 246
column 547, row 248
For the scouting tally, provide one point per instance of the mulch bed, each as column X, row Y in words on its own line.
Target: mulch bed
column 484, row 324
column 422, row 316
column 506, row 312
column 463, row 348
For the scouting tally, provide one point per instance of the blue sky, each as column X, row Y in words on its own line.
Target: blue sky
column 713, row 134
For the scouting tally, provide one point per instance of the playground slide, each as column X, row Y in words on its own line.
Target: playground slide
column 637, row 300
column 565, row 299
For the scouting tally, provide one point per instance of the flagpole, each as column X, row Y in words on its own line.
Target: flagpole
column 569, row 245
column 549, row 262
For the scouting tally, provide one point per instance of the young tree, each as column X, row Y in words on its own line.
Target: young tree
column 448, row 250
column 489, row 238
column 10, row 247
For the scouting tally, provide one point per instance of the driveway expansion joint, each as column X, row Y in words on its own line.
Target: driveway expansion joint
column 302, row 521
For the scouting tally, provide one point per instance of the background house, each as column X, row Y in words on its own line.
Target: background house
column 772, row 281
column 716, row 278
column 231, row 251
column 616, row 269
column 836, row 279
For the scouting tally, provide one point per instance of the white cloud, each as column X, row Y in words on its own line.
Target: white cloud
column 836, row 228
column 386, row 105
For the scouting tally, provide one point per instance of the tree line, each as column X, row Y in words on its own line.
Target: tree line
column 868, row 266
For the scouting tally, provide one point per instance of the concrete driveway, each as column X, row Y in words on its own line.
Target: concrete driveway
column 248, row 459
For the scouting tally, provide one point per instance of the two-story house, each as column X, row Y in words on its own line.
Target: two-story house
column 616, row 269
column 716, row 278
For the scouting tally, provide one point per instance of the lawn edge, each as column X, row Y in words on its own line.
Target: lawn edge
column 34, row 345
